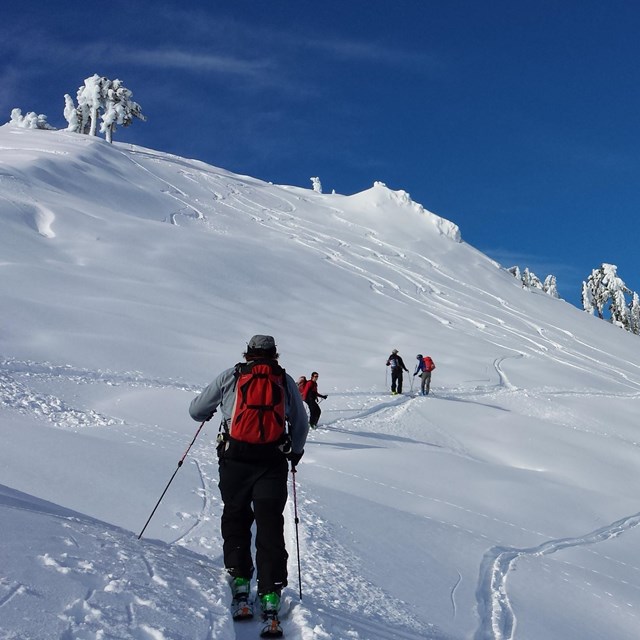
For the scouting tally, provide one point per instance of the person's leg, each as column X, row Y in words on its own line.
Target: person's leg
column 237, row 517
column 428, row 383
column 399, row 385
column 394, row 379
column 314, row 413
column 269, row 500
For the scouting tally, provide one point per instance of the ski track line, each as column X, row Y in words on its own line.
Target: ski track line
column 15, row 590
column 202, row 517
column 453, row 595
column 497, row 618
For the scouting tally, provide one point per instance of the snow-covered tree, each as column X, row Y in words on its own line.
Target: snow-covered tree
column 594, row 297
column 72, row 115
column 615, row 289
column 530, row 280
column 91, row 101
column 119, row 109
column 316, row 184
column 634, row 314
column 101, row 98
column 31, row 120
column 587, row 298
column 515, row 272
column 550, row 286
column 605, row 286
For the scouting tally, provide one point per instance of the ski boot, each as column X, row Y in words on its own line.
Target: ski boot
column 270, row 603
column 241, row 608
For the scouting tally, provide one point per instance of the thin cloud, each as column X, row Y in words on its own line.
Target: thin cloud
column 375, row 53
column 191, row 61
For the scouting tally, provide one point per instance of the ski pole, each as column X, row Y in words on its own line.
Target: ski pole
column 296, row 520
column 172, row 477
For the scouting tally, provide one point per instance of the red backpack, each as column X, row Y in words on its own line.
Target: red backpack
column 258, row 414
column 302, row 383
column 428, row 363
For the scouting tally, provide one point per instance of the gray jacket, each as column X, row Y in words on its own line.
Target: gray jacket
column 221, row 393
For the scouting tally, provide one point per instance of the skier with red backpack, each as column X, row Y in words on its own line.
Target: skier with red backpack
column 424, row 367
column 310, row 395
column 257, row 399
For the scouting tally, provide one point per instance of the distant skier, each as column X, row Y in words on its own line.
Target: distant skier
column 397, row 367
column 424, row 367
column 256, row 398
column 310, row 395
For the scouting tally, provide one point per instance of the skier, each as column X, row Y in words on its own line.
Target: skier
column 310, row 395
column 424, row 367
column 397, row 367
column 254, row 397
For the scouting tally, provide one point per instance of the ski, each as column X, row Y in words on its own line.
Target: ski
column 271, row 628
column 241, row 609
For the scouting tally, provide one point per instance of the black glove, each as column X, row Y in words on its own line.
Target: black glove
column 325, row 397
column 294, row 458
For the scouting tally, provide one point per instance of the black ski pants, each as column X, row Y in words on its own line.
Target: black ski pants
column 396, row 379
column 255, row 492
column 314, row 412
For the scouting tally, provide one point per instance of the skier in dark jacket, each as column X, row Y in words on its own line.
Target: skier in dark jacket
column 397, row 367
column 310, row 395
column 253, row 486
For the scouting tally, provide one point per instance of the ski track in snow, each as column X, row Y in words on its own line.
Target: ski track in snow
column 498, row 619
column 387, row 266
column 385, row 269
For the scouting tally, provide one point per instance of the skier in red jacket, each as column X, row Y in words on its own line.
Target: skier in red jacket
column 310, row 395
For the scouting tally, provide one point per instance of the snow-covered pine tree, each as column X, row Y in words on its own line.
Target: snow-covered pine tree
column 605, row 286
column 587, row 298
column 515, row 272
column 119, row 109
column 530, row 280
column 596, row 296
column 316, row 185
column 101, row 98
column 91, row 101
column 550, row 286
column 72, row 115
column 634, row 314
column 615, row 290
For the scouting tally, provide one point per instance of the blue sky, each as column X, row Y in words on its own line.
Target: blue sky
column 517, row 120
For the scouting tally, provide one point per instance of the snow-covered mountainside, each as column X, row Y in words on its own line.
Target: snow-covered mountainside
column 501, row 506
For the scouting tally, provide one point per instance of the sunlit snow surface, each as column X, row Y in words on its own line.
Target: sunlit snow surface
column 504, row 505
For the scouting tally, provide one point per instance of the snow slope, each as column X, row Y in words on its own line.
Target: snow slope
column 501, row 506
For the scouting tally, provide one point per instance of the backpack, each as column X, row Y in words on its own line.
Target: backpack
column 428, row 363
column 258, row 415
column 302, row 382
